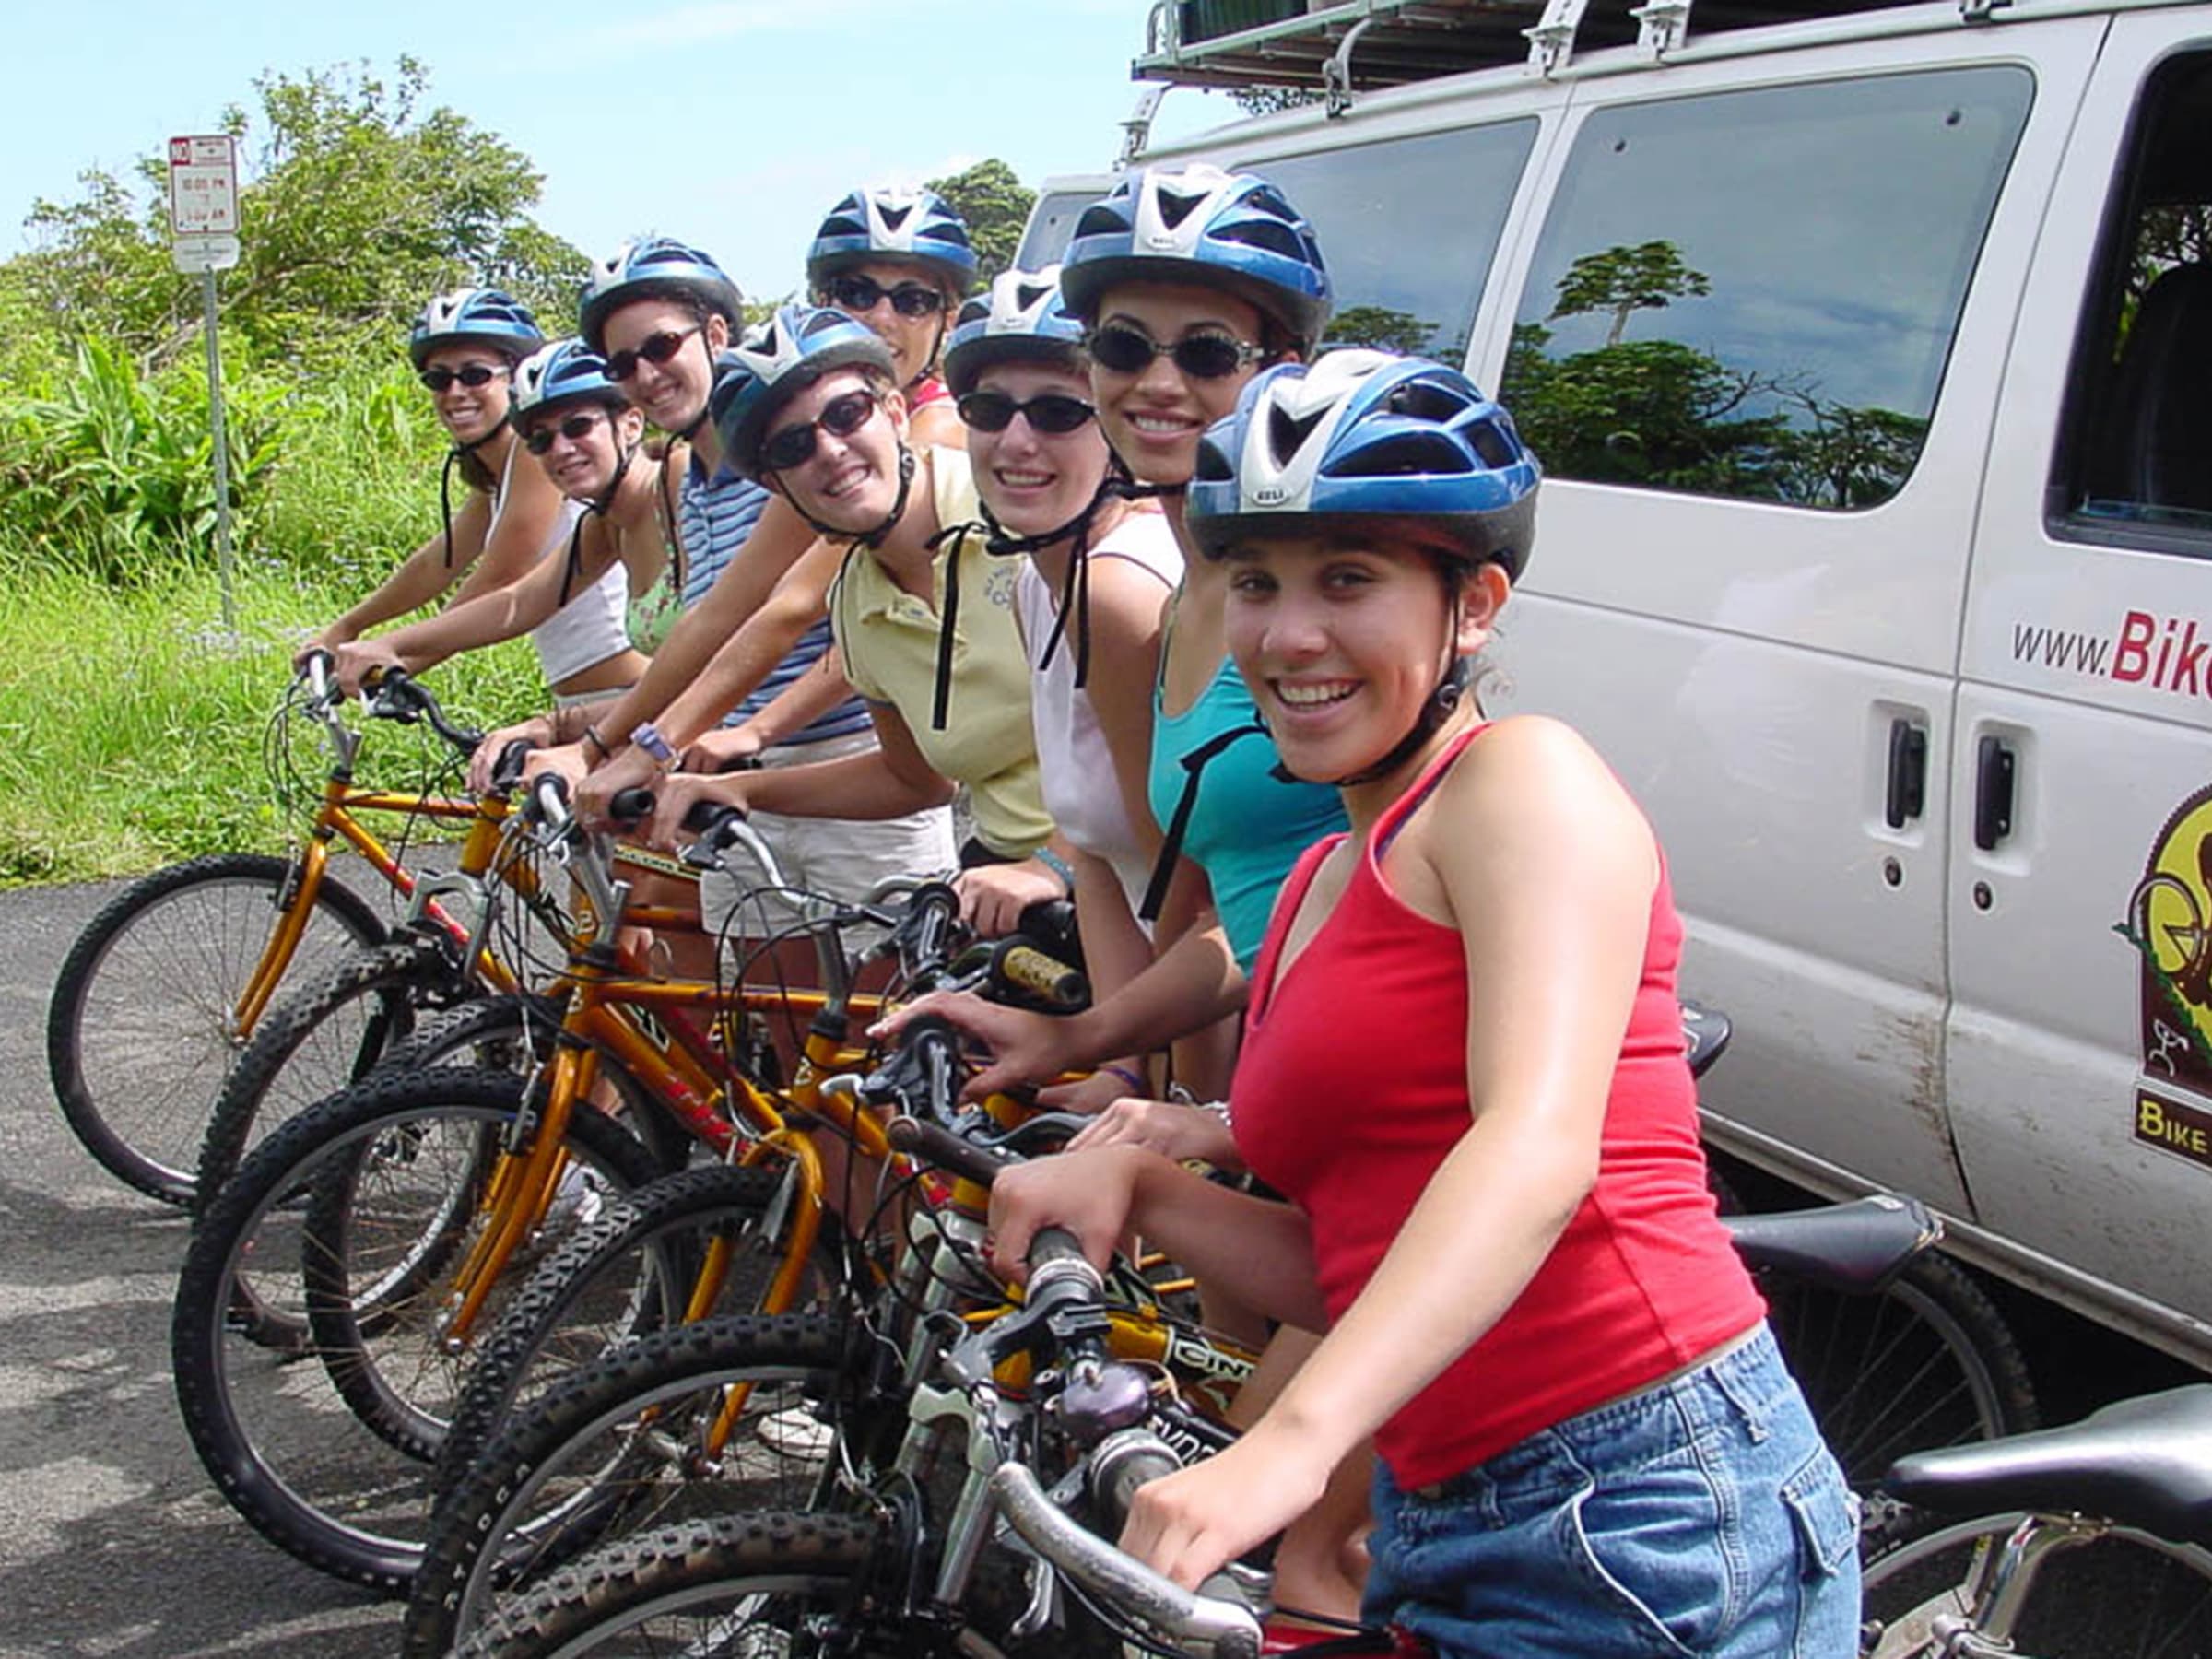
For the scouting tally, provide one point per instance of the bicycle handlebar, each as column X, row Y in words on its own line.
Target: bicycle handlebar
column 1209, row 1626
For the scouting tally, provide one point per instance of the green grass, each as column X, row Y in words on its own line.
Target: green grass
column 132, row 732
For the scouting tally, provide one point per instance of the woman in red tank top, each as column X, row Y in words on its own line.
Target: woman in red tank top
column 1463, row 1066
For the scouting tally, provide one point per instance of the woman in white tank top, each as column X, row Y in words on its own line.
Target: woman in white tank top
column 465, row 346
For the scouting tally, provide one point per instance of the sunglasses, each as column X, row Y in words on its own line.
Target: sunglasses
column 655, row 349
column 1201, row 356
column 841, row 418
column 575, row 429
column 856, row 293
column 471, row 375
column 1052, row 412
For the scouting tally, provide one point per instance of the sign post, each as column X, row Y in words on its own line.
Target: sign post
column 203, row 221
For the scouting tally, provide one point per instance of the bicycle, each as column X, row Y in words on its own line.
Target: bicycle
column 673, row 1424
column 174, row 975
column 1045, row 1431
column 395, row 1296
column 2090, row 1539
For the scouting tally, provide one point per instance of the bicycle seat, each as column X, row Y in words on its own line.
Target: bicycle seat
column 1856, row 1248
column 2144, row 1463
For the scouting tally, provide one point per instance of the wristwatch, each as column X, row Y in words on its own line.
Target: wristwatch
column 648, row 738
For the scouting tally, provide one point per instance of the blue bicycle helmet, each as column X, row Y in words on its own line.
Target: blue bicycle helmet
column 1362, row 436
column 1197, row 224
column 1022, row 317
column 566, row 371
column 775, row 361
column 656, row 268
column 481, row 316
column 917, row 225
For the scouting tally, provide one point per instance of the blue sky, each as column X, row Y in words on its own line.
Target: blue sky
column 734, row 124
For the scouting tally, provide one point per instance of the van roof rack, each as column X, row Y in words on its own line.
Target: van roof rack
column 1250, row 43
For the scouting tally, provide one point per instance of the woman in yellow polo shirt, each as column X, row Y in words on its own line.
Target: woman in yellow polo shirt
column 808, row 405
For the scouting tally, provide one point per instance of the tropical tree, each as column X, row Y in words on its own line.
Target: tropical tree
column 996, row 203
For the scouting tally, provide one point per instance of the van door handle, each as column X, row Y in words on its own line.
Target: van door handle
column 1908, row 794
column 1995, row 765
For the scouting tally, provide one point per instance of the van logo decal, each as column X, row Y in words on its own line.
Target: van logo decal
column 2169, row 922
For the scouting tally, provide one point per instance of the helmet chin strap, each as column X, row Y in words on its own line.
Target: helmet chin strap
column 453, row 457
column 1075, row 592
column 876, row 537
column 1438, row 708
column 596, row 507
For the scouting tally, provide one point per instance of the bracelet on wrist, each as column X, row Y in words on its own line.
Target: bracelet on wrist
column 1057, row 866
column 1126, row 1075
column 591, row 736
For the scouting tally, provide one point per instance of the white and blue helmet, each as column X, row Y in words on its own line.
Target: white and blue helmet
column 658, row 267
column 1200, row 225
column 1023, row 317
column 1362, row 436
column 482, row 316
column 774, row 364
column 917, row 225
column 566, row 371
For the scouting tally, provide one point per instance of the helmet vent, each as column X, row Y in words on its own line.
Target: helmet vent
column 1175, row 206
column 1099, row 219
column 893, row 217
column 1212, row 466
column 1029, row 293
column 1426, row 402
column 1496, row 449
column 1409, row 454
column 1286, row 432
column 1269, row 235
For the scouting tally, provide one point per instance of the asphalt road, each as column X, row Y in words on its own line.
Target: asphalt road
column 112, row 1540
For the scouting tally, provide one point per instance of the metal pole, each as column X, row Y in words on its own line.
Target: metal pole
column 222, row 454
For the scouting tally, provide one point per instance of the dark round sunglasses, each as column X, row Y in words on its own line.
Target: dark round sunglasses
column 1052, row 412
column 857, row 292
column 841, row 418
column 654, row 349
column 575, row 429
column 471, row 375
column 1126, row 351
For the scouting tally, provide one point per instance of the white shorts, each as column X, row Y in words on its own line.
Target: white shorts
column 840, row 858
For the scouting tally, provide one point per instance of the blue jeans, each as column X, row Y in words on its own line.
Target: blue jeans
column 1703, row 1516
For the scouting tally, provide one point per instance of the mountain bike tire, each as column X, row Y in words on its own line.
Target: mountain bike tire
column 287, row 1451
column 734, row 1584
column 138, row 1037
column 2127, row 1596
column 1929, row 1362
column 628, row 1274
column 326, row 1033
column 611, row 1450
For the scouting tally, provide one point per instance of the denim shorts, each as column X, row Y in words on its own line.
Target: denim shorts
column 1701, row 1516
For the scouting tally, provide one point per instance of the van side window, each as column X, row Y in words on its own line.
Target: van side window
column 2135, row 465
column 1409, row 227
column 1753, row 294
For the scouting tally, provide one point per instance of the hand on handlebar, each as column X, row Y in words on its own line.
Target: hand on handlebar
column 994, row 896
column 1087, row 1194
column 564, row 761
column 674, row 796
column 1182, row 1132
column 630, row 767
column 322, row 639
column 723, row 749
column 1025, row 1048
column 1190, row 1524
column 537, row 731
column 360, row 663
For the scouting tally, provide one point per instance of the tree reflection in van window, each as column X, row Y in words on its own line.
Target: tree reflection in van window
column 1753, row 294
column 1381, row 329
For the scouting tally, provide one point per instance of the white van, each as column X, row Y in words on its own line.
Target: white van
column 1869, row 356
